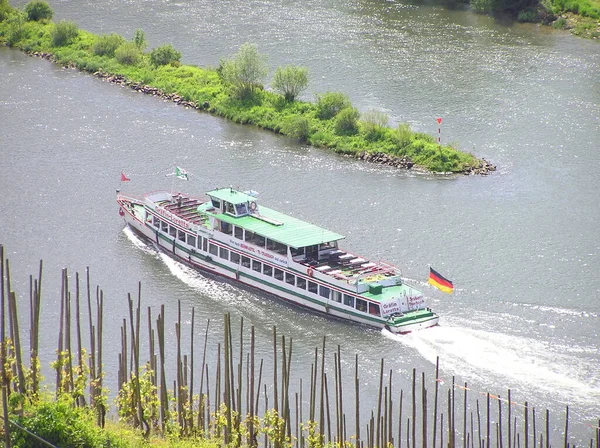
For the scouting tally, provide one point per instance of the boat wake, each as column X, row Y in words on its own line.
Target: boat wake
column 517, row 362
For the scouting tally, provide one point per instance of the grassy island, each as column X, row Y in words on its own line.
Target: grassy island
column 235, row 90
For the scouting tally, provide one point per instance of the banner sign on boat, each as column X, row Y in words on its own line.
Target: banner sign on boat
column 170, row 216
column 390, row 307
column 416, row 302
column 260, row 252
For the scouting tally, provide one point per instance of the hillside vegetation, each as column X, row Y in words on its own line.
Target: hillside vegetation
column 235, row 90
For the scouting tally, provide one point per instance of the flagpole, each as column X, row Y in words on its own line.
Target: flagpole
column 173, row 181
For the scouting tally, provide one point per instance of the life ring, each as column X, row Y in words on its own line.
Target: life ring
column 121, row 211
column 310, row 271
column 253, row 206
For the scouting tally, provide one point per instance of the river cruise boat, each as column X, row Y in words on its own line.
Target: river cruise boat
column 229, row 234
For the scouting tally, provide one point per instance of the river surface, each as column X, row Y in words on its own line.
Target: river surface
column 522, row 245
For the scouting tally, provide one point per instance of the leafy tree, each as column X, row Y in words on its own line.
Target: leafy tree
column 297, row 127
column 139, row 39
column 5, row 9
column 163, row 55
column 63, row 33
column 329, row 104
column 128, row 53
column 15, row 31
column 38, row 10
column 246, row 71
column 346, row 121
column 107, row 44
column 290, row 81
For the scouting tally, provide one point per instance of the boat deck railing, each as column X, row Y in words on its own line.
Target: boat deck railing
column 351, row 268
column 185, row 207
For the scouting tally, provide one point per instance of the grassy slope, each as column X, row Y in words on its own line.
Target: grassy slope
column 266, row 109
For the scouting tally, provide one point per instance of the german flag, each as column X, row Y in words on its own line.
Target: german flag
column 440, row 282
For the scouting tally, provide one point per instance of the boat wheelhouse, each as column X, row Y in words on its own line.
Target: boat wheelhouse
column 229, row 234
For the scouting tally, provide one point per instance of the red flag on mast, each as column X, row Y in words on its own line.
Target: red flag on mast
column 124, row 178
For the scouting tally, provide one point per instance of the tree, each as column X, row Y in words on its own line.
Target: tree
column 346, row 121
column 374, row 124
column 38, row 10
column 246, row 71
column 63, row 33
column 163, row 55
column 290, row 81
column 107, row 44
column 139, row 39
column 128, row 53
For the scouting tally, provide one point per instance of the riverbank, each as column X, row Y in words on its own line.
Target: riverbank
column 363, row 137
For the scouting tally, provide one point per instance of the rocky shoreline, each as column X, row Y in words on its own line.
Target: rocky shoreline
column 484, row 167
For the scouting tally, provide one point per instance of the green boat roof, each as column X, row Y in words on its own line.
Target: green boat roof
column 272, row 224
column 231, row 195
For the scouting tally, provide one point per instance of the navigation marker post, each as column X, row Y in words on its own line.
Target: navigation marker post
column 439, row 122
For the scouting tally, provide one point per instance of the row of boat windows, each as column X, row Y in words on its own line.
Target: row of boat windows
column 286, row 277
column 251, row 237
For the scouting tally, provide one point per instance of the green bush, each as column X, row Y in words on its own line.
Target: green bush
column 128, row 53
column 297, row 127
column 346, row 121
column 528, row 15
column 15, row 30
column 5, row 10
column 290, row 81
column 139, row 39
column 559, row 23
column 374, row 124
column 63, row 33
column 107, row 44
column 245, row 71
column 38, row 10
column 163, row 55
column 330, row 104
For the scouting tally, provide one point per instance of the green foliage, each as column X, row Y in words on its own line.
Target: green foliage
column 38, row 10
column 107, row 44
column 560, row 23
column 62, row 424
column 346, row 121
column 127, row 403
column 374, row 124
column 139, row 39
column 63, row 33
column 164, row 55
column 128, row 53
column 15, row 28
column 5, row 9
column 290, row 81
column 528, row 15
column 297, row 127
column 330, row 104
column 245, row 71
column 586, row 8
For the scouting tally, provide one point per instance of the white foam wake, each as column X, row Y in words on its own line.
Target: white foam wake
column 474, row 354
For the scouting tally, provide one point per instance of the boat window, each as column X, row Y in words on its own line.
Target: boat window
column 277, row 247
column 348, row 300
column 204, row 244
column 173, row 231
column 259, row 240
column 156, row 222
column 226, row 228
column 256, row 265
column 324, row 291
column 223, row 253
column 278, row 274
column 213, row 249
column 241, row 209
column 361, row 305
column 245, row 262
column 297, row 251
column 337, row 296
column 249, row 236
column 301, row 282
column 200, row 242
column 235, row 257
column 267, row 270
column 181, row 235
column 312, row 287
column 229, row 208
column 164, row 226
column 216, row 203
column 290, row 278
column 239, row 233
column 374, row 309
column 191, row 240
